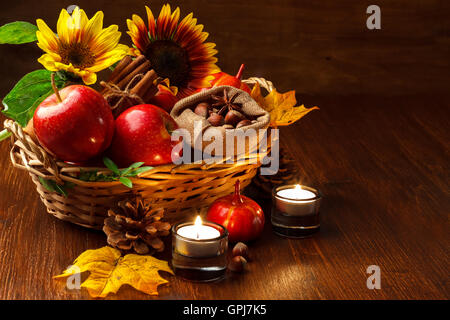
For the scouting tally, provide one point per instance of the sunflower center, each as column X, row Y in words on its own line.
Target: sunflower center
column 169, row 61
column 77, row 54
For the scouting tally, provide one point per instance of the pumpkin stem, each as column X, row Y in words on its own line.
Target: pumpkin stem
column 237, row 192
column 239, row 74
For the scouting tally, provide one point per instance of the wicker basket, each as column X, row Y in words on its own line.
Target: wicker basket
column 178, row 189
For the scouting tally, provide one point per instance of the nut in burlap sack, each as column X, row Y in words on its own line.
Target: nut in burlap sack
column 222, row 121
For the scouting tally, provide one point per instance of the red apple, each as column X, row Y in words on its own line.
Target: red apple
column 143, row 134
column 75, row 124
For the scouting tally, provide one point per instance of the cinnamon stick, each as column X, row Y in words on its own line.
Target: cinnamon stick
column 120, row 66
column 146, row 83
column 127, row 69
column 143, row 68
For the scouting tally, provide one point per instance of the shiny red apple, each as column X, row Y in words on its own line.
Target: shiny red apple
column 143, row 134
column 242, row 216
column 75, row 124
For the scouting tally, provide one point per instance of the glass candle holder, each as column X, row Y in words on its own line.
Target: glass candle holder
column 197, row 259
column 295, row 211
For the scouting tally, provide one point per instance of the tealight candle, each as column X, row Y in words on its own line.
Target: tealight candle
column 199, row 250
column 296, row 193
column 198, row 231
column 295, row 211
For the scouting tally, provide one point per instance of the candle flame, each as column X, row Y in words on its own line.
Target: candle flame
column 297, row 187
column 198, row 221
column 197, row 225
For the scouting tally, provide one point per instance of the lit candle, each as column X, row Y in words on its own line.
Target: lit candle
column 199, row 250
column 198, row 231
column 297, row 193
column 295, row 210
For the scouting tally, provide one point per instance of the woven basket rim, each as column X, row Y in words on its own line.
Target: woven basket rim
column 28, row 155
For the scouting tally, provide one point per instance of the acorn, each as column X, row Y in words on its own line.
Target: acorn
column 241, row 249
column 243, row 123
column 233, row 117
column 215, row 119
column 237, row 264
column 202, row 109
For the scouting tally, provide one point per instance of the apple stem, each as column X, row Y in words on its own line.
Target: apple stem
column 239, row 74
column 55, row 88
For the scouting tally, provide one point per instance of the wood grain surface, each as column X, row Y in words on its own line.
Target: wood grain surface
column 378, row 149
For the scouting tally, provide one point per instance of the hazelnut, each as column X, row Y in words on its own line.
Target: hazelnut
column 237, row 264
column 202, row 109
column 243, row 123
column 233, row 117
column 241, row 249
column 215, row 119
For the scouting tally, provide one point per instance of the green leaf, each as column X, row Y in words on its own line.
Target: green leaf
column 4, row 134
column 47, row 184
column 135, row 165
column 61, row 190
column 18, row 32
column 138, row 171
column 52, row 186
column 127, row 182
column 27, row 94
column 113, row 66
column 111, row 165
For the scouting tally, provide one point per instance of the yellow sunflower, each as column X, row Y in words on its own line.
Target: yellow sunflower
column 176, row 49
column 82, row 46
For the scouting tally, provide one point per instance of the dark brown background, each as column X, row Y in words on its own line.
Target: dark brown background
column 377, row 149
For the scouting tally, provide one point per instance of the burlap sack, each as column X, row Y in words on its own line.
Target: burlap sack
column 185, row 117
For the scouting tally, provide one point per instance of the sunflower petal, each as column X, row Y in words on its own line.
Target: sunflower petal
column 48, row 62
column 94, row 26
column 106, row 40
column 89, row 78
column 173, row 22
column 46, row 36
column 151, row 23
column 162, row 21
column 109, row 58
column 63, row 25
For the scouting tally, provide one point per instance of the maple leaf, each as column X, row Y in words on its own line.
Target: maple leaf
column 109, row 271
column 281, row 106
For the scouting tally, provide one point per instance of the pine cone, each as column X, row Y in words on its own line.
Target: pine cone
column 135, row 226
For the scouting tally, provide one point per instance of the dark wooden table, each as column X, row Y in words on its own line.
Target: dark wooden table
column 378, row 150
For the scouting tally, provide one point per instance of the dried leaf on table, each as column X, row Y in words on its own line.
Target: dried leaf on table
column 109, row 271
column 281, row 106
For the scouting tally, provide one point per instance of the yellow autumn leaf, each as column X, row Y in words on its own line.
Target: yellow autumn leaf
column 109, row 271
column 281, row 106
